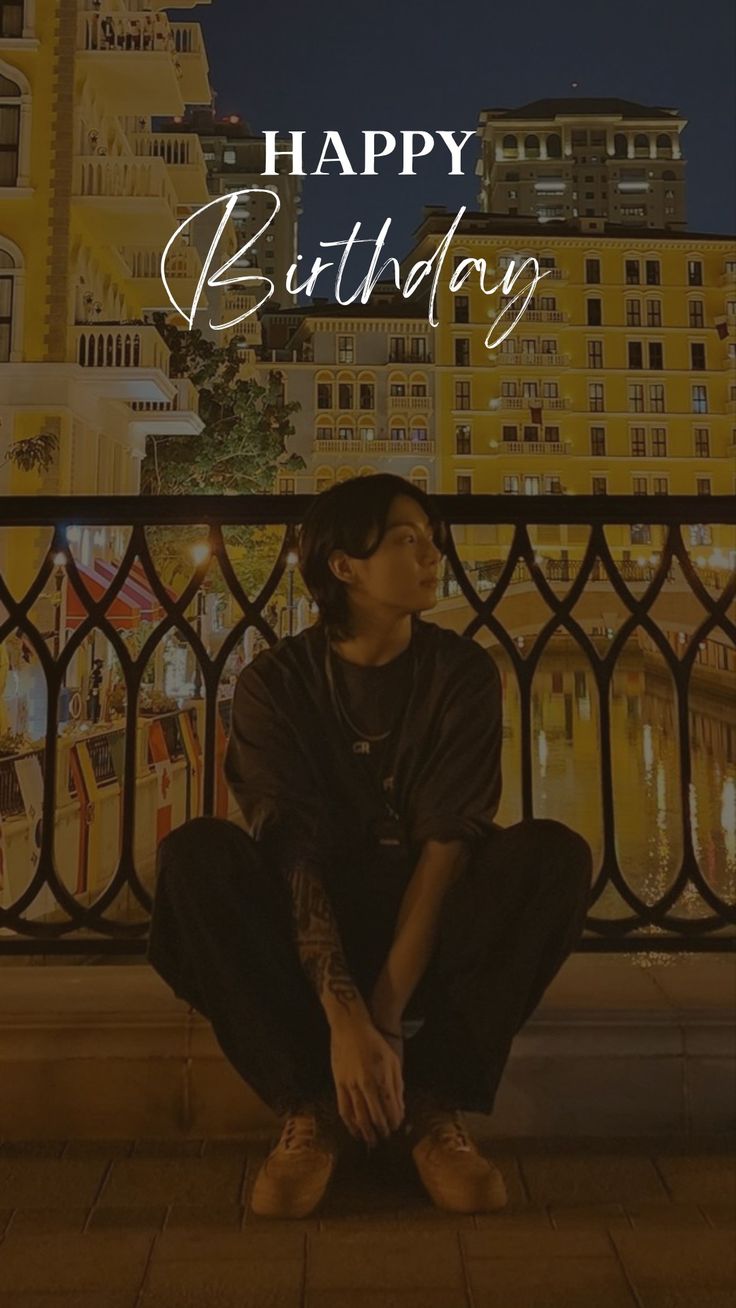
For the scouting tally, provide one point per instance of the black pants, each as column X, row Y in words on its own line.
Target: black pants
column 221, row 937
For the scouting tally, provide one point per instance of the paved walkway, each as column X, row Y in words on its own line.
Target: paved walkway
column 590, row 1224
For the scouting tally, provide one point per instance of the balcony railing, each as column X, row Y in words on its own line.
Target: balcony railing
column 531, row 447
column 136, row 345
column 52, row 794
column 141, row 33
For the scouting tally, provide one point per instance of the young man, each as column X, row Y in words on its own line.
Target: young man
column 371, row 943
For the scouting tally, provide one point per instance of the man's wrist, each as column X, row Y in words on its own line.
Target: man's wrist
column 341, row 1015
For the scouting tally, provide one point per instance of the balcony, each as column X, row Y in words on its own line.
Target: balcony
column 654, row 660
column 178, row 416
column 127, row 361
column 521, row 359
column 120, row 198
column 419, row 448
column 527, row 402
column 339, row 447
column 545, row 315
column 130, row 61
column 182, row 154
column 191, row 59
column 183, row 269
column 531, row 447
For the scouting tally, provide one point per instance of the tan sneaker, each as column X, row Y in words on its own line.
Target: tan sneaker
column 293, row 1178
column 455, row 1175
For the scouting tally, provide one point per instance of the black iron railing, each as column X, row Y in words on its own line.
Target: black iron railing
column 87, row 929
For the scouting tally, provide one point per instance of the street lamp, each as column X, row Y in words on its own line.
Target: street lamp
column 292, row 559
column 200, row 553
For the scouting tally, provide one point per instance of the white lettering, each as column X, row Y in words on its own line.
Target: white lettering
column 340, row 156
column 272, row 154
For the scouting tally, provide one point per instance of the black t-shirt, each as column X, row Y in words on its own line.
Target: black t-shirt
column 373, row 697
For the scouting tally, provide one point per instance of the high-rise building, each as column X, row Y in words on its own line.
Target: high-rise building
column 558, row 159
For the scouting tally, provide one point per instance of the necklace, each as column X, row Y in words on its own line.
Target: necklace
column 363, row 740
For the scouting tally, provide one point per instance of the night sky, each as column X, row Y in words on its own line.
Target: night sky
column 404, row 64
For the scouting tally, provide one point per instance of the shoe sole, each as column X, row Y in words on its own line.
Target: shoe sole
column 266, row 1207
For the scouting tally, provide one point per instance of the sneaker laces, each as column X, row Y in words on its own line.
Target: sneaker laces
column 447, row 1128
column 299, row 1132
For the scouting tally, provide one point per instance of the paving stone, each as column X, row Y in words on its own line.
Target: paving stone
column 138, row 1218
column 73, row 1299
column 566, row 1216
column 540, row 1282
column 227, row 1216
column 231, row 1246
column 99, row 1148
column 591, row 1178
column 64, row 1263
column 32, row 1148
column 700, row 1180
column 206, row 1181
column 370, row 1260
column 498, row 1243
column 388, row 1299
column 183, row 1284
column 168, row 1148
column 670, row 1215
column 695, row 1259
column 529, row 1217
column 49, row 1219
column 51, row 1182
column 674, row 1297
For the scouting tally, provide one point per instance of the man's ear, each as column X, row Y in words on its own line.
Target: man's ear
column 341, row 565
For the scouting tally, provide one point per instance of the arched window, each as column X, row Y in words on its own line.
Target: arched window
column 398, row 389
column 620, row 146
column 9, row 132
column 664, row 146
column 11, row 274
column 418, row 477
column 531, row 147
column 417, row 431
column 641, row 146
column 510, row 147
column 668, row 175
column 344, row 474
column 323, row 478
column 554, row 146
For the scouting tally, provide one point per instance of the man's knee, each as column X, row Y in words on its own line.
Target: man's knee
column 564, row 850
column 204, row 845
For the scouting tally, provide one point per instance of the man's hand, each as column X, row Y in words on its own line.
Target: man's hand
column 368, row 1080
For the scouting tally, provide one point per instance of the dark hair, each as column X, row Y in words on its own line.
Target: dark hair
column 345, row 517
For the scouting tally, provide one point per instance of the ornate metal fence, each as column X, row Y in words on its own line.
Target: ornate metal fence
column 86, row 928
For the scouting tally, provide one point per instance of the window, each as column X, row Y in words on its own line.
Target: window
column 462, row 351
column 598, row 440
column 462, row 438
column 638, row 442
column 462, row 308
column 418, row 348
column 600, row 485
column 700, row 534
column 592, row 269
column 639, row 485
column 635, row 354
column 595, row 397
column 659, row 485
column 552, row 434
column 346, row 349
column 509, row 388
column 6, row 306
column 697, row 356
column 396, row 349
column 464, row 483
column 418, row 389
column 324, row 433
column 636, row 398
column 532, row 485
column 548, row 346
column 510, row 432
column 659, row 442
column 511, row 485
column 654, row 313
column 552, row 486
column 366, row 395
column 346, row 432
column 694, row 272
column 366, row 432
column 417, row 432
column 595, row 354
column 699, row 399
column 550, row 390
column 324, row 395
column 547, row 303
column 633, row 313
column 651, row 272
column 695, row 316
column 531, row 434
column 656, row 360
column 229, row 156
column 462, row 394
column 702, row 485
column 11, row 18
column 345, row 392
column 595, row 317
column 398, row 433
column 9, row 131
column 397, row 388
column 633, row 276
column 702, row 442
column 287, row 485
column 419, row 480
column 640, row 533
column 656, row 398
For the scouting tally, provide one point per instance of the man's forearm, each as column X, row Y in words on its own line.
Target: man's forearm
column 438, row 867
column 320, row 948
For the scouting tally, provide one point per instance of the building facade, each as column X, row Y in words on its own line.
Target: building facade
column 559, row 159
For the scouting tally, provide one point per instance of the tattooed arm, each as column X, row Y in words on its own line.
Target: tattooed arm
column 320, row 948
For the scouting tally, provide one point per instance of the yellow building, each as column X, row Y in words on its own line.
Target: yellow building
column 89, row 196
column 618, row 379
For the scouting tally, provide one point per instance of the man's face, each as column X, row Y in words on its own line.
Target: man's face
column 403, row 572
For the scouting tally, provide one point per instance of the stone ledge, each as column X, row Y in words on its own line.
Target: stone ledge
column 618, row 1045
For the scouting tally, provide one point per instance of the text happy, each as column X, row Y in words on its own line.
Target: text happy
column 335, row 161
